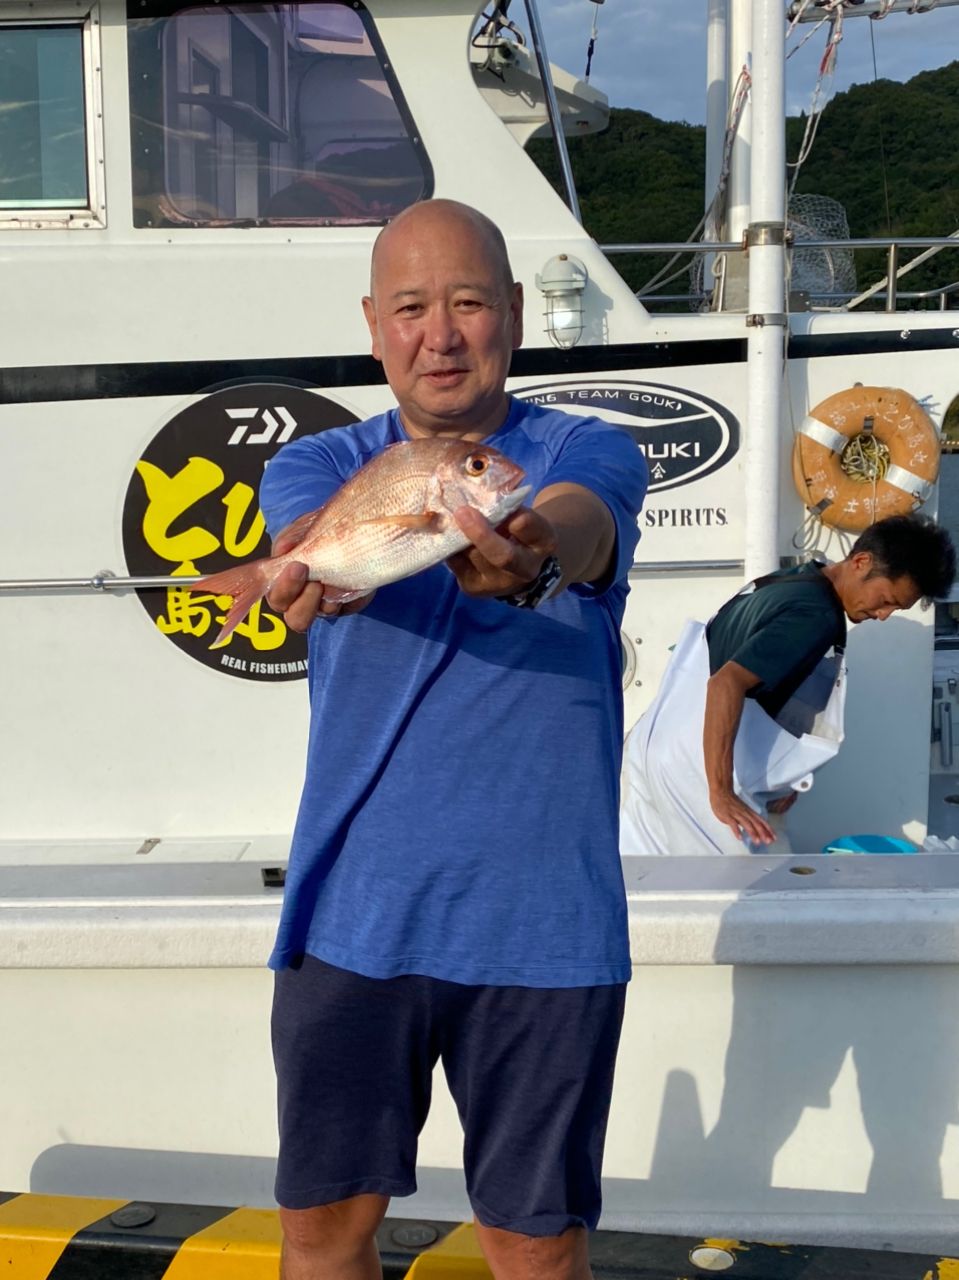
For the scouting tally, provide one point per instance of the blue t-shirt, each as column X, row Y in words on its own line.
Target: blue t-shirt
column 459, row 816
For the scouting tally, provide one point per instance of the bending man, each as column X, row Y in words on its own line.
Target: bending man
column 751, row 703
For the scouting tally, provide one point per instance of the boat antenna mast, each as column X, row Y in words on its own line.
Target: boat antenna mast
column 491, row 37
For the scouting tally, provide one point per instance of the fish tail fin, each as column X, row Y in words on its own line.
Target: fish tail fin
column 247, row 583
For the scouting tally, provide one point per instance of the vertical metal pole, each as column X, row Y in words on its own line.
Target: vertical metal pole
column 552, row 107
column 717, row 106
column 717, row 91
column 766, row 321
column 740, row 45
column 892, row 270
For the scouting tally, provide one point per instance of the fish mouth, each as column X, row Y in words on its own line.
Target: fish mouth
column 510, row 485
column 518, row 494
column 507, row 504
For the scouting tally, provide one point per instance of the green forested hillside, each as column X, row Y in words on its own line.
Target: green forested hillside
column 643, row 178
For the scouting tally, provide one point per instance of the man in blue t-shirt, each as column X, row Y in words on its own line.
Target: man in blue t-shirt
column 454, row 889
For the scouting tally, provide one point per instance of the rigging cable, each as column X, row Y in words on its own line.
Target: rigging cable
column 882, row 146
column 827, row 67
column 593, row 36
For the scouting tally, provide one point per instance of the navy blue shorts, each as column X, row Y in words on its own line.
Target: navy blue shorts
column 530, row 1070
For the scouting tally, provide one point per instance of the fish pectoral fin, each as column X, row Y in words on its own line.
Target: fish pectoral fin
column 419, row 520
column 300, row 528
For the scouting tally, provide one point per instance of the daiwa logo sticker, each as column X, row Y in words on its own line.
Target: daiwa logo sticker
column 192, row 508
column 683, row 435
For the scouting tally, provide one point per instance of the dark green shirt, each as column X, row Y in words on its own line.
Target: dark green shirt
column 779, row 632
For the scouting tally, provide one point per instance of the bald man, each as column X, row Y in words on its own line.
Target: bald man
column 454, row 891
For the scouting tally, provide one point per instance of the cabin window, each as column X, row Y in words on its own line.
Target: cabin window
column 49, row 124
column 266, row 115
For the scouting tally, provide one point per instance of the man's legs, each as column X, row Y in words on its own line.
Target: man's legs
column 333, row 1241
column 354, row 1060
column 512, row 1256
column 531, row 1071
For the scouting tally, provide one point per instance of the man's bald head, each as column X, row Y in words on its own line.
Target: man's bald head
column 426, row 217
column 445, row 317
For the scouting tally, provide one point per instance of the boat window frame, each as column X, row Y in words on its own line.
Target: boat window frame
column 85, row 15
column 166, row 9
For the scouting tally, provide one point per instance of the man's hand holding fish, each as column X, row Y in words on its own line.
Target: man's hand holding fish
column 300, row 600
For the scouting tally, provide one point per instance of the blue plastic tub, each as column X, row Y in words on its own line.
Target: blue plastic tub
column 870, row 844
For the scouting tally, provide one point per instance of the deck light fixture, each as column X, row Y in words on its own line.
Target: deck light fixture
column 562, row 282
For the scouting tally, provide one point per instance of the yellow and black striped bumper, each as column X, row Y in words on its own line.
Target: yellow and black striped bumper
column 72, row 1238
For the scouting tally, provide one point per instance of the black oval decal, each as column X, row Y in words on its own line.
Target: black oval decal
column 683, row 435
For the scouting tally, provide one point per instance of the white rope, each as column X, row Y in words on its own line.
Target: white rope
column 808, row 36
column 709, row 224
column 713, row 217
column 711, row 221
column 591, row 43
column 797, row 17
column 827, row 67
column 828, row 64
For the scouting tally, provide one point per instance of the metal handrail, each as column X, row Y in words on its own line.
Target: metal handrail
column 106, row 581
column 683, row 246
column 685, row 566
column 738, row 246
column 861, row 9
column 102, row 581
column 892, row 245
column 910, row 295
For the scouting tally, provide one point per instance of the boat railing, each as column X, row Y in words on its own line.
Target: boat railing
column 108, row 582
column 105, row 580
column 887, row 289
column 835, row 301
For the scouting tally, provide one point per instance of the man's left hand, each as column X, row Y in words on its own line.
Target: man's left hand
column 502, row 560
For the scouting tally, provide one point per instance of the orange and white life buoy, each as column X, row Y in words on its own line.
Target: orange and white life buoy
column 864, row 454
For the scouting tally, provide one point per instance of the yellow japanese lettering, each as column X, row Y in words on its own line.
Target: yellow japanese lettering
column 168, row 498
column 237, row 503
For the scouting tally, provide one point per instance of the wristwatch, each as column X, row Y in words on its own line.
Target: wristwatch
column 541, row 588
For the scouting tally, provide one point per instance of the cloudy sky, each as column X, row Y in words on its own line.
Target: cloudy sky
column 651, row 54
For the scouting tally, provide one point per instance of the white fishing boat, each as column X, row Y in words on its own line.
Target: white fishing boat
column 188, row 197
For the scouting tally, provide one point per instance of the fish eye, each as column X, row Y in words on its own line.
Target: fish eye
column 476, row 464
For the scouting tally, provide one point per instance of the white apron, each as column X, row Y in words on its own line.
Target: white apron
column 665, row 807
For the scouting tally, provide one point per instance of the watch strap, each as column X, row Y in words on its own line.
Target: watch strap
column 544, row 585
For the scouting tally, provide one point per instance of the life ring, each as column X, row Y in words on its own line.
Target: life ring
column 864, row 454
